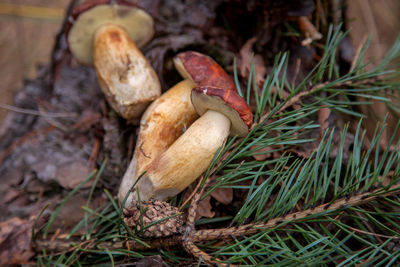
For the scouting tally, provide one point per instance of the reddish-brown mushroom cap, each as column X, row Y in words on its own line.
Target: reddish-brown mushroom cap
column 203, row 70
column 88, row 17
column 227, row 102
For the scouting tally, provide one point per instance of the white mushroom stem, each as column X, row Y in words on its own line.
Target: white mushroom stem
column 125, row 75
column 186, row 159
column 162, row 123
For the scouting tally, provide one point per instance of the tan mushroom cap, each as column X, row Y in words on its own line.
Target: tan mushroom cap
column 227, row 102
column 89, row 17
column 202, row 70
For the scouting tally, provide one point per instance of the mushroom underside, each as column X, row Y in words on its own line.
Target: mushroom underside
column 136, row 22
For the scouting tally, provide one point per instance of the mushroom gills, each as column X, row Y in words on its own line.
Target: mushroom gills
column 136, row 22
column 186, row 159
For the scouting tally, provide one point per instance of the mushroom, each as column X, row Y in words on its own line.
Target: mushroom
column 223, row 113
column 107, row 34
column 161, row 124
column 170, row 169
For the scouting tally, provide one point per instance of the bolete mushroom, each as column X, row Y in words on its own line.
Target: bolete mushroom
column 223, row 112
column 167, row 117
column 107, row 34
column 182, row 159
column 161, row 124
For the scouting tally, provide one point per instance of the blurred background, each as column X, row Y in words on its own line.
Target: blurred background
column 28, row 28
column 27, row 31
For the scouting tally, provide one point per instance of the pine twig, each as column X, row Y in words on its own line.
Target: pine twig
column 360, row 199
column 187, row 241
column 63, row 245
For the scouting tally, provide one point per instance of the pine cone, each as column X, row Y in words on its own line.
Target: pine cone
column 138, row 218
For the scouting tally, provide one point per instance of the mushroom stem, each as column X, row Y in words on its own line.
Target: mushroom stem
column 161, row 124
column 186, row 159
column 124, row 74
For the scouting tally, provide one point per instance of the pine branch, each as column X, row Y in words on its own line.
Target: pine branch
column 356, row 200
column 65, row 245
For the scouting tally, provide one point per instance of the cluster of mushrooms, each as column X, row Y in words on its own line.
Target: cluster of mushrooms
column 181, row 130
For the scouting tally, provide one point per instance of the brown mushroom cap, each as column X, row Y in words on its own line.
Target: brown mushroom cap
column 87, row 18
column 227, row 102
column 203, row 70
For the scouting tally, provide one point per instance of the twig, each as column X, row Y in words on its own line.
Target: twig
column 373, row 234
column 246, row 229
column 192, row 194
column 292, row 101
column 94, row 153
column 358, row 51
column 38, row 113
column 187, row 241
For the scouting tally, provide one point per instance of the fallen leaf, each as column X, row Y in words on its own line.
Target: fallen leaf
column 264, row 153
column 15, row 241
column 204, row 209
column 72, row 174
column 154, row 261
column 245, row 56
column 11, row 194
column 323, row 115
column 223, row 195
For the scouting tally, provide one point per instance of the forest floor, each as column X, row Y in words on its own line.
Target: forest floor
column 42, row 159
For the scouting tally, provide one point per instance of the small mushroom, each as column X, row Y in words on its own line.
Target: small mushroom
column 107, row 34
column 167, row 118
column 171, row 169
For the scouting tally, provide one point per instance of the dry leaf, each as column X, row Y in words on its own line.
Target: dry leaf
column 323, row 115
column 265, row 154
column 204, row 209
column 154, row 261
column 223, row 195
column 382, row 25
column 245, row 56
column 15, row 241
column 72, row 174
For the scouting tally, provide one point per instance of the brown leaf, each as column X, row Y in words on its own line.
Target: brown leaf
column 11, row 194
column 155, row 261
column 245, row 56
column 323, row 115
column 15, row 241
column 223, row 195
column 265, row 154
column 72, row 174
column 204, row 209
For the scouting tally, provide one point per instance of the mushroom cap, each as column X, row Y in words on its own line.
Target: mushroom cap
column 227, row 102
column 203, row 70
column 88, row 17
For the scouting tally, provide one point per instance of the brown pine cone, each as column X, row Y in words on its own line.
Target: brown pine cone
column 139, row 217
